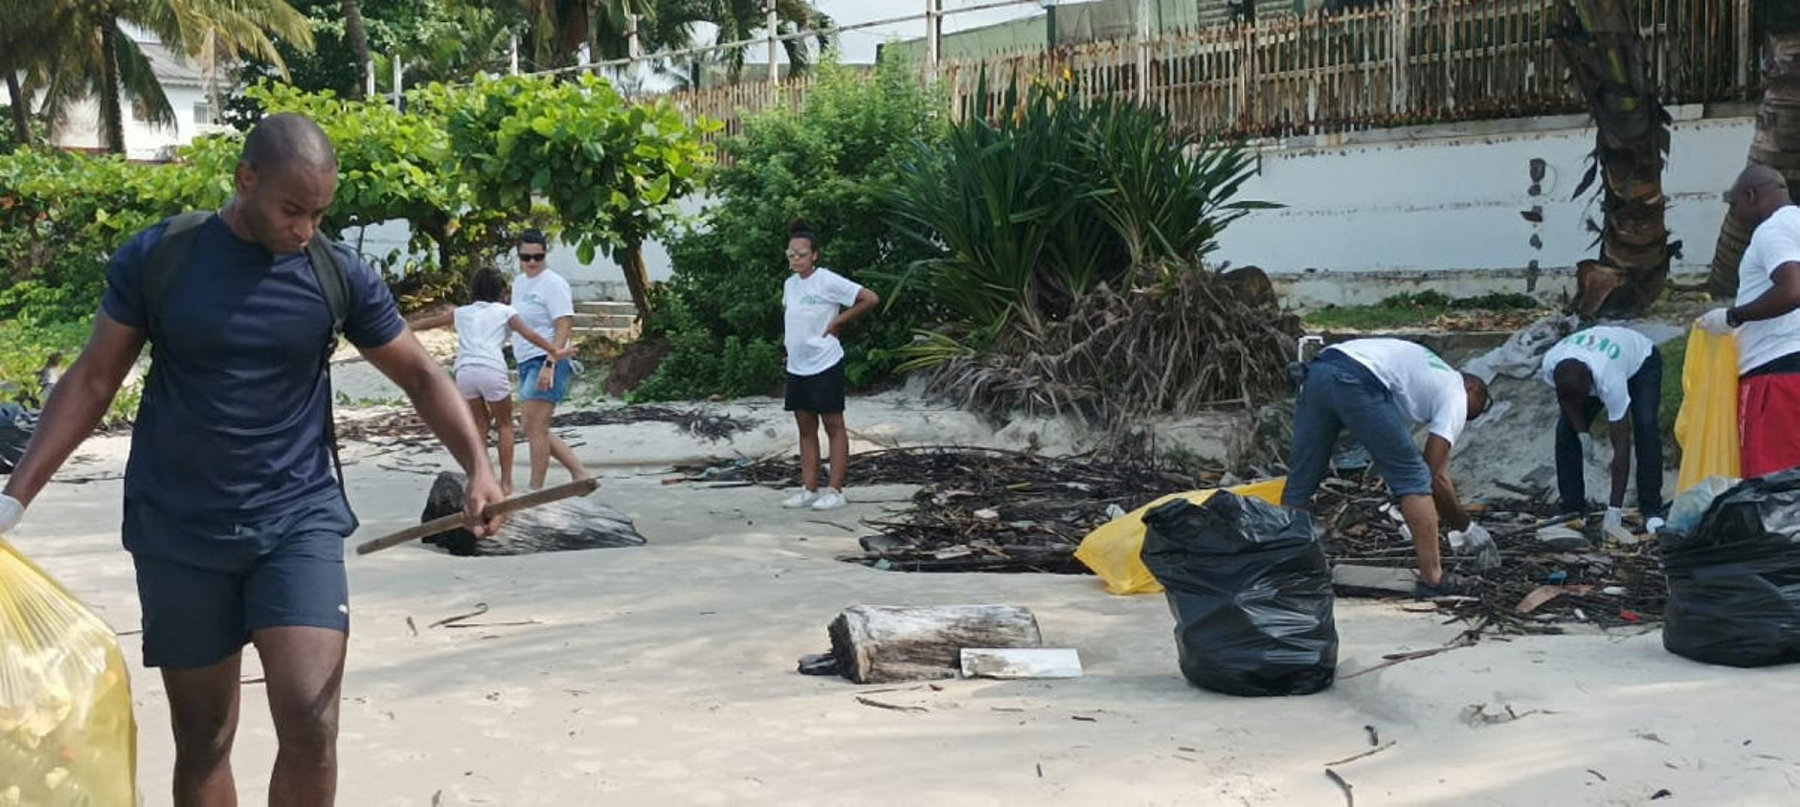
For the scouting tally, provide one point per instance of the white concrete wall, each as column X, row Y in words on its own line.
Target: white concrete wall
column 1442, row 205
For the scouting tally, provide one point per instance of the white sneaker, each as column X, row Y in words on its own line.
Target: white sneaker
column 830, row 499
column 805, row 498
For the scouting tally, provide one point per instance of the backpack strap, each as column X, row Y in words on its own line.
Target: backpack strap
column 334, row 282
column 167, row 258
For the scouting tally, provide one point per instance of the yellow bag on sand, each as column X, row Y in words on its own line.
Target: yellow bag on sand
column 1707, row 426
column 67, row 736
column 1113, row 550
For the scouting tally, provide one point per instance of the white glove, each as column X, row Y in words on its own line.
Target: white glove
column 1653, row 525
column 1714, row 321
column 1615, row 519
column 1587, row 446
column 10, row 513
column 1479, row 543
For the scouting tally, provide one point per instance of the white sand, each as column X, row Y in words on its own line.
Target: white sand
column 664, row 675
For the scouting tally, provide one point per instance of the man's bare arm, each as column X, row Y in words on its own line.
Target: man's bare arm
column 1621, row 460
column 77, row 403
column 434, row 395
column 1443, row 491
column 1782, row 297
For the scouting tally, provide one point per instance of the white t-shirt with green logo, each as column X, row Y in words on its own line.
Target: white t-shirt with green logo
column 809, row 305
column 1612, row 355
column 1426, row 387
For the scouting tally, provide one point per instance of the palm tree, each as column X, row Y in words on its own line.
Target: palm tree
column 747, row 19
column 359, row 44
column 1599, row 41
column 93, row 55
column 1777, row 140
column 561, row 27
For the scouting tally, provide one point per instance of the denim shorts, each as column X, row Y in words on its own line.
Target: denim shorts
column 205, row 590
column 528, row 388
column 1340, row 393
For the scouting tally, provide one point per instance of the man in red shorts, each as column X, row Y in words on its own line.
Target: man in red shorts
column 1766, row 316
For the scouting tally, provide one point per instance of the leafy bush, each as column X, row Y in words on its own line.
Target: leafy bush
column 833, row 162
column 1051, row 198
column 23, row 349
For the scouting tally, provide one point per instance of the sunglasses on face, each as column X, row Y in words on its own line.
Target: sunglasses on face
column 531, row 257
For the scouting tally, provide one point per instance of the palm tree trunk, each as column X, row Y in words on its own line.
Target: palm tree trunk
column 112, row 112
column 1776, row 144
column 1600, row 44
column 21, row 108
column 359, row 44
column 637, row 278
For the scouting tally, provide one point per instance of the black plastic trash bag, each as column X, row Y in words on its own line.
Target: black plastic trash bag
column 1251, row 594
column 1734, row 583
column 15, row 431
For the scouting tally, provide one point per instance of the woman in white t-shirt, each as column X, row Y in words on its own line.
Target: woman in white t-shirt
column 482, row 329
column 816, row 302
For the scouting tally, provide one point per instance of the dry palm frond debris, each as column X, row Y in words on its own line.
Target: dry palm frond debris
column 405, row 426
column 1175, row 347
column 987, row 510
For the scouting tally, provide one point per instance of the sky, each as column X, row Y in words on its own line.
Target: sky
column 859, row 46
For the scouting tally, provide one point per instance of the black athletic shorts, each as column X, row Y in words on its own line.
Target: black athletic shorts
column 821, row 394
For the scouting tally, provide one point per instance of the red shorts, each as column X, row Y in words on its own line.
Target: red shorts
column 1768, row 423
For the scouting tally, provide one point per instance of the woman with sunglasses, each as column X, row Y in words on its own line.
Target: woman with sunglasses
column 817, row 302
column 544, row 302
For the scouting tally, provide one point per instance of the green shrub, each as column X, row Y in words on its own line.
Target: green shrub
column 1031, row 205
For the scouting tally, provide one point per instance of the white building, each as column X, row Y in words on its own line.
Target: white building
column 188, row 97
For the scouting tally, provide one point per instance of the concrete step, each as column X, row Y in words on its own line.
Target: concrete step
column 584, row 319
column 623, row 307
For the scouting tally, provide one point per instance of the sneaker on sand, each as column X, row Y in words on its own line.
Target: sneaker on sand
column 804, row 498
column 830, row 499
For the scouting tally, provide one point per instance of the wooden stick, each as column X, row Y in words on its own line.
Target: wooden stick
column 439, row 526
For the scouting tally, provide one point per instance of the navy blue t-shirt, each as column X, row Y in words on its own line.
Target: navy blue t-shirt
column 231, row 428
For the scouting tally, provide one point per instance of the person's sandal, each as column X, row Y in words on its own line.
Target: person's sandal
column 1449, row 585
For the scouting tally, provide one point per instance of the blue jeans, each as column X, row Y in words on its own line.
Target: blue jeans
column 1341, row 394
column 1645, row 387
column 559, row 384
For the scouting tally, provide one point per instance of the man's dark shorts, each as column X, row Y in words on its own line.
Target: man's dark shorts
column 821, row 393
column 206, row 589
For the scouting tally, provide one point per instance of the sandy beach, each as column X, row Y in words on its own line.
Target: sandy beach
column 665, row 675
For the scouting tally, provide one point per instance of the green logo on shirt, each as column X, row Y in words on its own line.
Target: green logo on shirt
column 1598, row 344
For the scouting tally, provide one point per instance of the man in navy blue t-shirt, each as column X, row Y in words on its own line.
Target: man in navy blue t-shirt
column 232, row 516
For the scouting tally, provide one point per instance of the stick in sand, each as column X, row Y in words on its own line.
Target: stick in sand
column 439, row 526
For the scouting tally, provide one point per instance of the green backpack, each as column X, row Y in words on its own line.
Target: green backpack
column 170, row 255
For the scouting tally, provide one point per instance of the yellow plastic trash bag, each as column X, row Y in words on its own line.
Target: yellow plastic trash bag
column 67, row 736
column 1113, row 549
column 1707, row 426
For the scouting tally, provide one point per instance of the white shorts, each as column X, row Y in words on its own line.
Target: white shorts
column 487, row 383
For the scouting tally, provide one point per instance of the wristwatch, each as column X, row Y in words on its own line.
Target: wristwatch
column 1731, row 317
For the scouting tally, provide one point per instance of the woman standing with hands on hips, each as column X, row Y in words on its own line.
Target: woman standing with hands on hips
column 817, row 303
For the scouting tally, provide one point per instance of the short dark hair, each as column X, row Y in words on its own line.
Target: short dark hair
column 798, row 228
column 1573, row 380
column 534, row 236
column 487, row 285
column 286, row 140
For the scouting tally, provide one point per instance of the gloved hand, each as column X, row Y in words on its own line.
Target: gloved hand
column 10, row 513
column 1612, row 525
column 1479, row 543
column 1653, row 525
column 1714, row 321
column 1587, row 447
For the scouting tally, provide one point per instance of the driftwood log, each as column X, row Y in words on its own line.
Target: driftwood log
column 877, row 644
column 570, row 524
